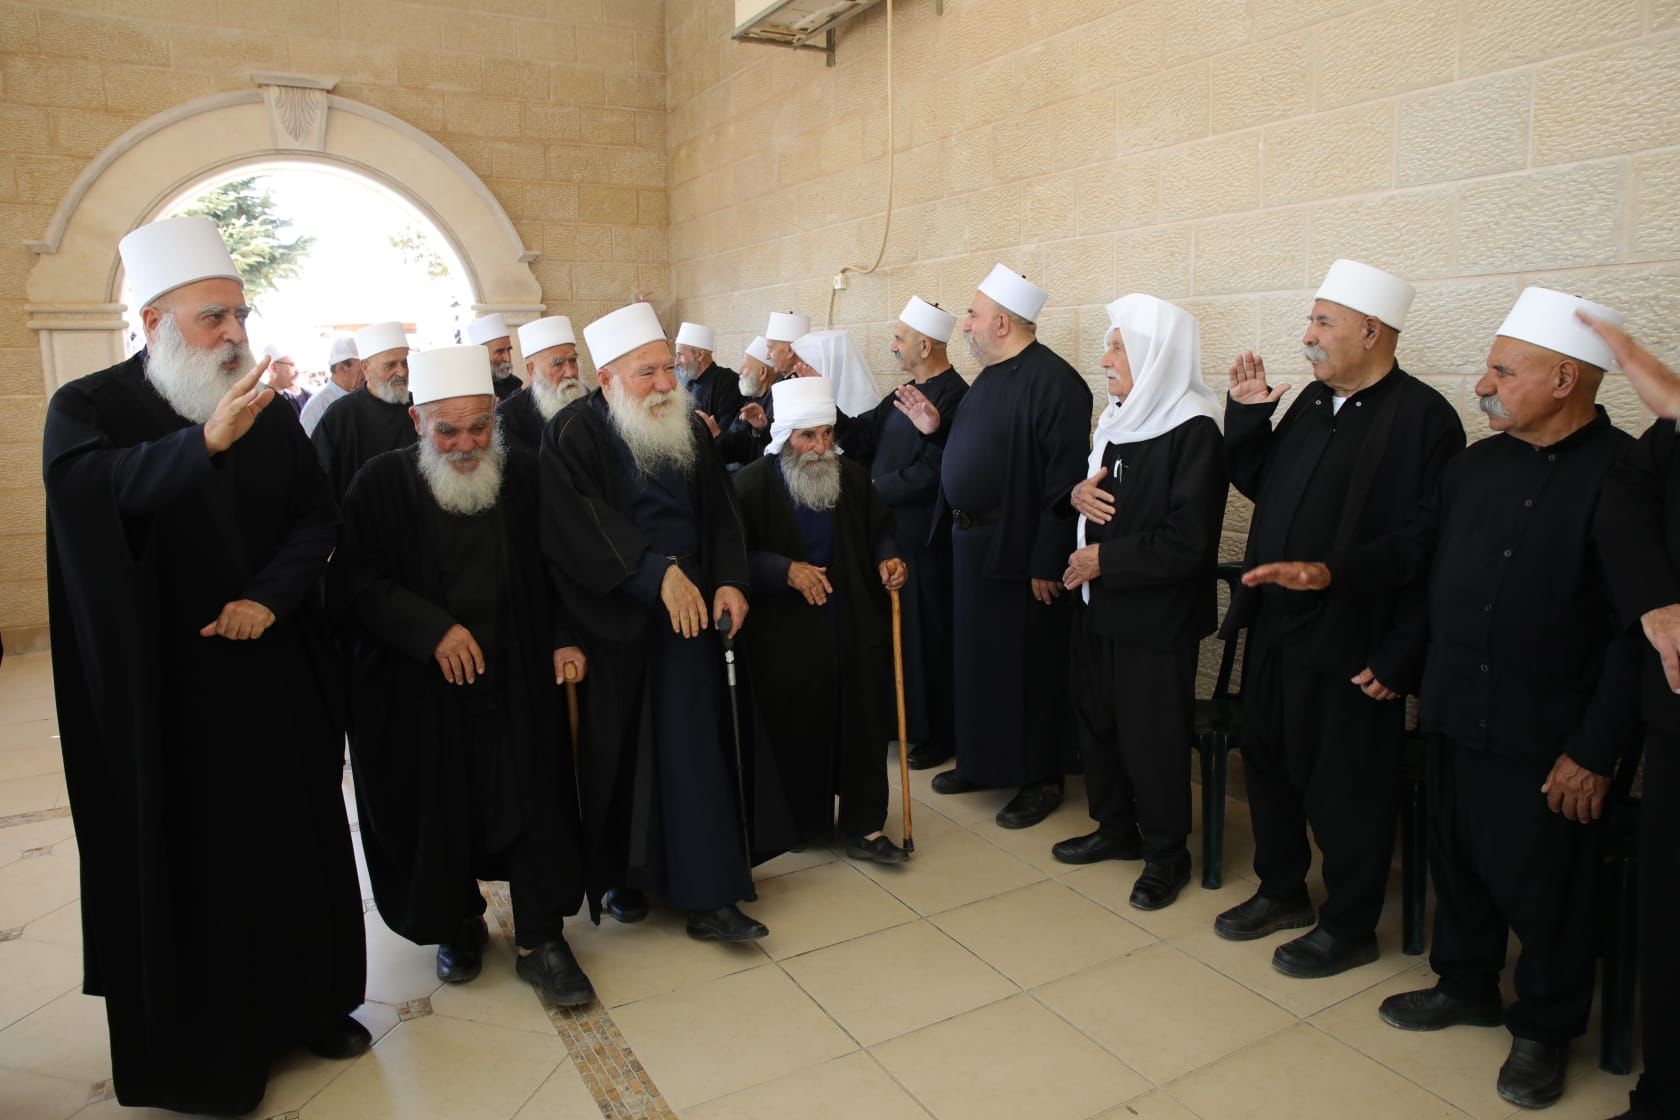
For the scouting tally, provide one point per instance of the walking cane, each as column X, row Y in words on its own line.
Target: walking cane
column 726, row 628
column 903, row 728
column 570, row 674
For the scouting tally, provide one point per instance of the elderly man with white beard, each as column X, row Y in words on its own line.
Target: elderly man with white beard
column 822, row 553
column 491, row 332
column 746, row 438
column 373, row 419
column 647, row 552
column 188, row 525
column 738, row 442
column 551, row 362
column 458, row 652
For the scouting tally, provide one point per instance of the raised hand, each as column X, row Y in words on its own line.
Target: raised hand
column 810, row 581
column 1656, row 384
column 458, row 656
column 242, row 620
column 683, row 600
column 914, row 403
column 1248, row 381
column 237, row 410
column 753, row 413
column 1092, row 500
column 706, row 419
column 1292, row 574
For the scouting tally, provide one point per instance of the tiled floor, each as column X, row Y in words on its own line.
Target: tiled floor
column 981, row 980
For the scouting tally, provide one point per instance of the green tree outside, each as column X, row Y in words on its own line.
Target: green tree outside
column 255, row 235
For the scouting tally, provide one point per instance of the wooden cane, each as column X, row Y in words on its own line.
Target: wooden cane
column 903, row 724
column 570, row 673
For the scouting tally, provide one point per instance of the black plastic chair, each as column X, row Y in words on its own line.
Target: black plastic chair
column 1218, row 729
column 1618, row 932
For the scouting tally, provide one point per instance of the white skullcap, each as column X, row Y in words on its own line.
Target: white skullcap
column 935, row 322
column 617, row 333
column 376, row 338
column 539, row 335
column 1369, row 291
column 449, row 371
column 698, row 336
column 343, row 349
column 1547, row 318
column 272, row 352
column 487, row 329
column 799, row 402
column 1013, row 292
column 784, row 326
column 165, row 255
column 759, row 349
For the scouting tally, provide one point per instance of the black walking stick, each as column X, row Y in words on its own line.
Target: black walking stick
column 726, row 629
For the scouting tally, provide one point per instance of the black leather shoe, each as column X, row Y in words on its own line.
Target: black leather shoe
column 1532, row 1076
column 925, row 756
column 555, row 972
column 1321, row 953
column 1095, row 847
column 462, row 960
column 949, row 781
column 625, row 904
column 726, row 923
column 1030, row 805
column 1160, row 883
column 1431, row 1009
column 1260, row 916
column 341, row 1041
column 881, row 849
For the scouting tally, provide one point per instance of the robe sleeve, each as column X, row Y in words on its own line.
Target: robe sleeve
column 1063, row 428
column 1187, row 539
column 143, row 478
column 585, row 541
column 882, row 529
column 298, row 563
column 726, row 556
column 1630, row 513
column 1248, row 443
column 742, row 443
column 858, row 435
column 917, row 480
column 360, row 585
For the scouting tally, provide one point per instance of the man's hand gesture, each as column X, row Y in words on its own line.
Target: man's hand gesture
column 1248, row 381
column 1089, row 498
column 237, row 410
column 923, row 413
column 753, row 413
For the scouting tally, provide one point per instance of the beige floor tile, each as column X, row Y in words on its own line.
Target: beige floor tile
column 1150, row 1106
column 29, row 795
column 30, row 1096
column 397, row 969
column 1163, row 1013
column 888, row 983
column 951, row 868
column 19, row 838
column 33, row 974
column 563, row 1096
column 296, row 1078
column 66, row 1039
column 824, row 905
column 30, row 708
column 497, row 996
column 843, row 1089
column 1302, row 1074
column 34, row 888
column 722, row 1036
column 789, row 862
column 1009, row 1060
column 21, row 756
column 629, row 963
column 444, row 1068
column 61, row 927
column 1110, row 884
column 1039, row 933
column 111, row 1110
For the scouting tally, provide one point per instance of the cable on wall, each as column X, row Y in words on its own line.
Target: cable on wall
column 839, row 284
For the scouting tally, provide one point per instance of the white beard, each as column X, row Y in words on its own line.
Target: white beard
column 550, row 398
column 655, row 441
column 813, row 479
column 470, row 493
column 192, row 380
column 503, row 370
column 747, row 386
column 389, row 391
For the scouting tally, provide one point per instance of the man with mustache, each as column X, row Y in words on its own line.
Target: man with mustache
column 459, row 651
column 373, row 419
column 344, row 371
column 646, row 549
column 1340, row 477
column 188, row 526
column 551, row 366
column 491, row 332
column 716, row 389
column 746, row 439
column 821, row 551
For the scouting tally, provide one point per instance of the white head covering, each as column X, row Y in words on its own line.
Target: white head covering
column 785, row 326
column 698, row 336
column 1547, row 318
column 376, row 338
column 1164, row 349
column 617, row 333
column 540, row 334
column 1014, row 292
column 165, row 255
column 486, row 329
column 759, row 348
column 1369, row 291
column 799, row 402
column 343, row 349
column 449, row 371
column 935, row 322
column 832, row 354
column 272, row 352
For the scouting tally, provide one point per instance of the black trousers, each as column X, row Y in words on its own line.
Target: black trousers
column 861, row 781
column 1658, row 1094
column 1504, row 862
column 1135, row 711
column 540, row 895
column 1319, row 752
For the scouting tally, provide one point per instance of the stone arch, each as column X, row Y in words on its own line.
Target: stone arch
column 73, row 288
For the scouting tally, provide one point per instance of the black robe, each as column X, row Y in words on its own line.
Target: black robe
column 408, row 730
column 741, row 443
column 821, row 677
column 354, row 429
column 506, row 387
column 221, row 918
column 717, row 393
column 522, row 422
column 594, row 551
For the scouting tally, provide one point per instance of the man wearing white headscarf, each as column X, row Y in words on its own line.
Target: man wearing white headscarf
column 1150, row 515
column 832, row 354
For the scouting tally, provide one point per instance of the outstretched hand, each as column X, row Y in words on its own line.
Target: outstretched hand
column 1657, row 385
column 1248, row 381
column 237, row 410
column 923, row 413
column 1294, row 575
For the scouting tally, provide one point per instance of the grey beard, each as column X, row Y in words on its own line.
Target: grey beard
column 503, row 370
column 551, row 398
column 655, row 441
column 391, row 391
column 469, row 493
column 813, row 479
column 189, row 378
column 974, row 349
column 747, row 386
column 1315, row 354
column 1493, row 407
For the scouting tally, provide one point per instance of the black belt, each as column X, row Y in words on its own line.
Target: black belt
column 963, row 519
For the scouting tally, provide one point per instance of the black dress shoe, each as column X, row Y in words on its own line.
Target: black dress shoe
column 625, row 904
column 949, row 781
column 1321, row 953
column 1030, row 805
column 341, row 1040
column 1260, row 916
column 726, row 923
column 925, row 756
column 1160, row 883
column 555, row 972
column 1532, row 1076
column 881, row 849
column 460, row 961
column 1431, row 1009
column 1097, row 846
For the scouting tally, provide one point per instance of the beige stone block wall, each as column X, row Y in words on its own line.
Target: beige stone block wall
column 559, row 105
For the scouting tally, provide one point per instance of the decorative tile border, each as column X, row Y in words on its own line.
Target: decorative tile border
column 11, row 934
column 101, row 1091
column 414, row 1009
